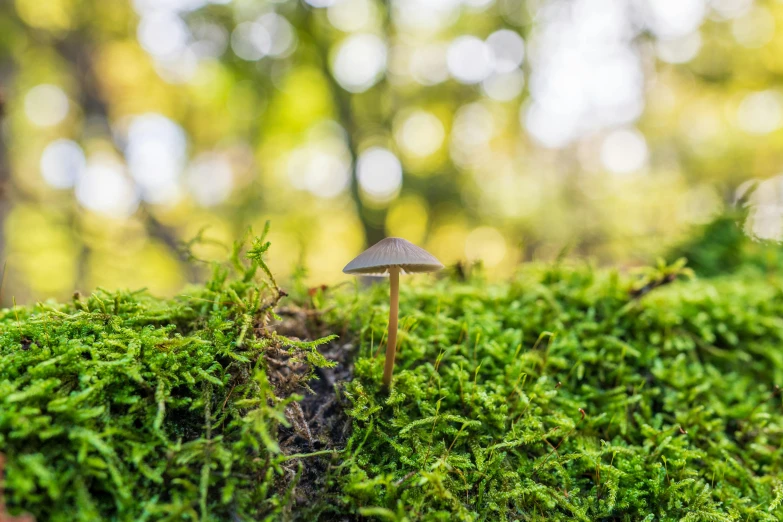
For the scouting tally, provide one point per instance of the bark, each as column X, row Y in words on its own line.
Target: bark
column 342, row 101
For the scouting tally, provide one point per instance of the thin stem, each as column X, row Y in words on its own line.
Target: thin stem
column 391, row 344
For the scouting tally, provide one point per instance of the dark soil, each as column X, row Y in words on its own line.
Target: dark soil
column 318, row 421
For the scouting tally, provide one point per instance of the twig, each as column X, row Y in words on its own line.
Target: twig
column 303, row 427
column 222, row 408
column 313, row 454
column 406, row 477
column 652, row 285
column 678, row 427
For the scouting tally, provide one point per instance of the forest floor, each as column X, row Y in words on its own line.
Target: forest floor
column 566, row 393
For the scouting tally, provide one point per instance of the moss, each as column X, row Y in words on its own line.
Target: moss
column 561, row 396
column 568, row 393
column 722, row 246
column 126, row 407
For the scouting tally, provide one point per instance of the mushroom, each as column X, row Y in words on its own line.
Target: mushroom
column 392, row 256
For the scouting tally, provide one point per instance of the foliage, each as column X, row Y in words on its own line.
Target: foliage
column 125, row 407
column 721, row 246
column 561, row 396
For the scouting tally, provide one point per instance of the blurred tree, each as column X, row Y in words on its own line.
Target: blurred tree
column 489, row 130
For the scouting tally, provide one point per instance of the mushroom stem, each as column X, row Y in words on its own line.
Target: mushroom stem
column 391, row 344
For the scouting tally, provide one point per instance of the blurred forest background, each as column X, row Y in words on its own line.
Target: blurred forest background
column 492, row 130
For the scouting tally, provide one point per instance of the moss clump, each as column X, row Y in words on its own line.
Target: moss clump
column 722, row 246
column 125, row 407
column 561, row 396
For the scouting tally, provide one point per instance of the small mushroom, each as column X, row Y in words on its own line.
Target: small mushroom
column 392, row 256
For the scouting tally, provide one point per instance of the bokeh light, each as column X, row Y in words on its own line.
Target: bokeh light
column 46, row 105
column 728, row 9
column 504, row 86
column 106, row 189
column 428, row 64
column 586, row 73
column 508, row 50
column 765, row 218
column 469, row 59
column 162, row 33
column 352, row 15
column 474, row 126
column 322, row 167
column 210, row 40
column 359, row 62
column 210, row 179
column 251, row 41
column 156, row 155
column 379, row 173
column 62, row 163
column 755, row 28
column 281, row 34
column 679, row 50
column 420, row 133
column 761, row 112
column 624, row 151
column 269, row 35
column 674, row 18
column 486, row 244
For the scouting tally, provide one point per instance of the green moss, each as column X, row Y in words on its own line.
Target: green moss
column 568, row 393
column 122, row 406
column 559, row 396
column 722, row 246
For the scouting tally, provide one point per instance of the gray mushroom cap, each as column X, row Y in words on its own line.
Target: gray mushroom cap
column 391, row 252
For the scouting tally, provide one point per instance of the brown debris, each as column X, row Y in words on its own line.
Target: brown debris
column 318, row 421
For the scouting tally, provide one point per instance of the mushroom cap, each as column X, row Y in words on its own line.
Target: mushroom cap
column 391, row 252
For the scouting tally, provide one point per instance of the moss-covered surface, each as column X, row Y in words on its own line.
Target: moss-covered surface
column 566, row 394
column 721, row 246
column 121, row 406
column 559, row 396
